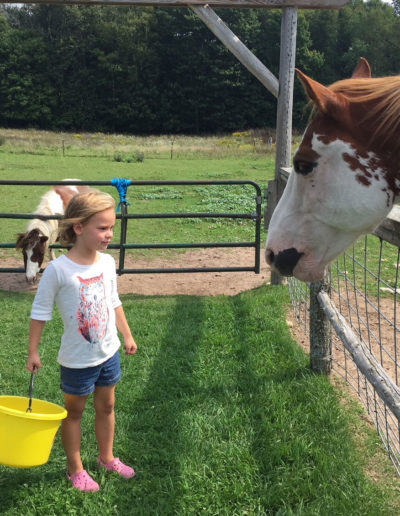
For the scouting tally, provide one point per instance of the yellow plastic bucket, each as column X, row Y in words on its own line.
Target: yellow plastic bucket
column 26, row 438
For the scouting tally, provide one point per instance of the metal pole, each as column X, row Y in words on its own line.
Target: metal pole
column 124, row 224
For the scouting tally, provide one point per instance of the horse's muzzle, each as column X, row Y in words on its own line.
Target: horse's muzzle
column 285, row 261
column 31, row 280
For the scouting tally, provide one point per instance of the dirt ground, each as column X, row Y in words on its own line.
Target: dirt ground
column 196, row 284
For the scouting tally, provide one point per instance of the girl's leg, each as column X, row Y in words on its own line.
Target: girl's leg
column 104, row 400
column 71, row 432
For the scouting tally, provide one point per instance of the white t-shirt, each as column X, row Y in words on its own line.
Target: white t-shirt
column 86, row 297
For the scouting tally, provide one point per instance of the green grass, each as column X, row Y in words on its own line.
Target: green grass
column 218, row 412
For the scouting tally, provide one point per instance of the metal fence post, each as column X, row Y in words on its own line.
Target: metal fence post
column 122, row 242
column 320, row 334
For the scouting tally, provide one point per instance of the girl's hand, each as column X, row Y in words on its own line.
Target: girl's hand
column 130, row 346
column 33, row 362
column 123, row 327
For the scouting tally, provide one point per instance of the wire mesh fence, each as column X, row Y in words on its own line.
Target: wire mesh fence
column 365, row 290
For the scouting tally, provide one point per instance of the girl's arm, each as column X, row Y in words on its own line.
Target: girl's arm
column 123, row 327
column 35, row 334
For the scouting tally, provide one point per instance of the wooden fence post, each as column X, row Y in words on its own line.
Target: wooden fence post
column 285, row 104
column 320, row 333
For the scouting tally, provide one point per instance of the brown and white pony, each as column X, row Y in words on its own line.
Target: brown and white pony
column 39, row 233
column 346, row 173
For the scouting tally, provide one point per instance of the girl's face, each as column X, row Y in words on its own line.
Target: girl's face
column 97, row 233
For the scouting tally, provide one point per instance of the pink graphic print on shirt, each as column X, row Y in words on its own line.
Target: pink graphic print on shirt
column 92, row 312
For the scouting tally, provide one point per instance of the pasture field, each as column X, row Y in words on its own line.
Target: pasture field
column 200, row 159
column 218, row 411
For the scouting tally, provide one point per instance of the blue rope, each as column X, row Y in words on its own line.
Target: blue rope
column 121, row 184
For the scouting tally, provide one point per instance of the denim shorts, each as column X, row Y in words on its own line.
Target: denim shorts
column 81, row 382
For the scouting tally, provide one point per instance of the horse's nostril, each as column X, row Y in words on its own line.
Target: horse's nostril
column 286, row 261
column 269, row 256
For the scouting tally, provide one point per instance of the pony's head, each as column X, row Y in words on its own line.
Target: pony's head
column 33, row 245
column 345, row 173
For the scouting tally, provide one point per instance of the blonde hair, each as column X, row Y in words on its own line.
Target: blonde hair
column 79, row 210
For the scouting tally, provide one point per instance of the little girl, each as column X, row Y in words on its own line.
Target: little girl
column 83, row 284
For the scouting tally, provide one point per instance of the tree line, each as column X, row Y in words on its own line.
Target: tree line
column 160, row 70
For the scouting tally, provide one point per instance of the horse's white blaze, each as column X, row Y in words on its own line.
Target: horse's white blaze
column 322, row 213
column 32, row 268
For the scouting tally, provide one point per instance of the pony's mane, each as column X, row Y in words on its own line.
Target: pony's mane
column 383, row 95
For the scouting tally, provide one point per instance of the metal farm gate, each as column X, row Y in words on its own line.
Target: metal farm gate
column 122, row 186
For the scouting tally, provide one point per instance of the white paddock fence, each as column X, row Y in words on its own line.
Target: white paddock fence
column 352, row 319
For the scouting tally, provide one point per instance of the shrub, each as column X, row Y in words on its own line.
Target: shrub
column 135, row 157
column 118, row 156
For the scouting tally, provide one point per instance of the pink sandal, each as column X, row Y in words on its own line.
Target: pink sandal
column 83, row 481
column 117, row 466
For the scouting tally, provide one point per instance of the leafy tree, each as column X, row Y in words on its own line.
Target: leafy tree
column 361, row 29
column 25, row 90
column 146, row 70
column 370, row 30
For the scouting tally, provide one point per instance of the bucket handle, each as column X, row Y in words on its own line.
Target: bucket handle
column 29, row 409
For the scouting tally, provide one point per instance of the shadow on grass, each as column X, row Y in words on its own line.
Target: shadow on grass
column 157, row 413
column 13, row 479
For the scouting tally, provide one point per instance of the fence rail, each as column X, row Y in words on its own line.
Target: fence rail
column 122, row 186
column 358, row 332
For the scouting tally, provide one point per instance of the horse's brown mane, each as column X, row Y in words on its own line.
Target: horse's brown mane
column 383, row 94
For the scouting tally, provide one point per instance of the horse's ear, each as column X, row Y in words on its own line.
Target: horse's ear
column 362, row 70
column 66, row 194
column 325, row 99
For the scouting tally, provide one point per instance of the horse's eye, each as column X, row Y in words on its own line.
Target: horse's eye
column 304, row 167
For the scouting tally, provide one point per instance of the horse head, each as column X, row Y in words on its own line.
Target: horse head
column 42, row 232
column 345, row 173
column 33, row 245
